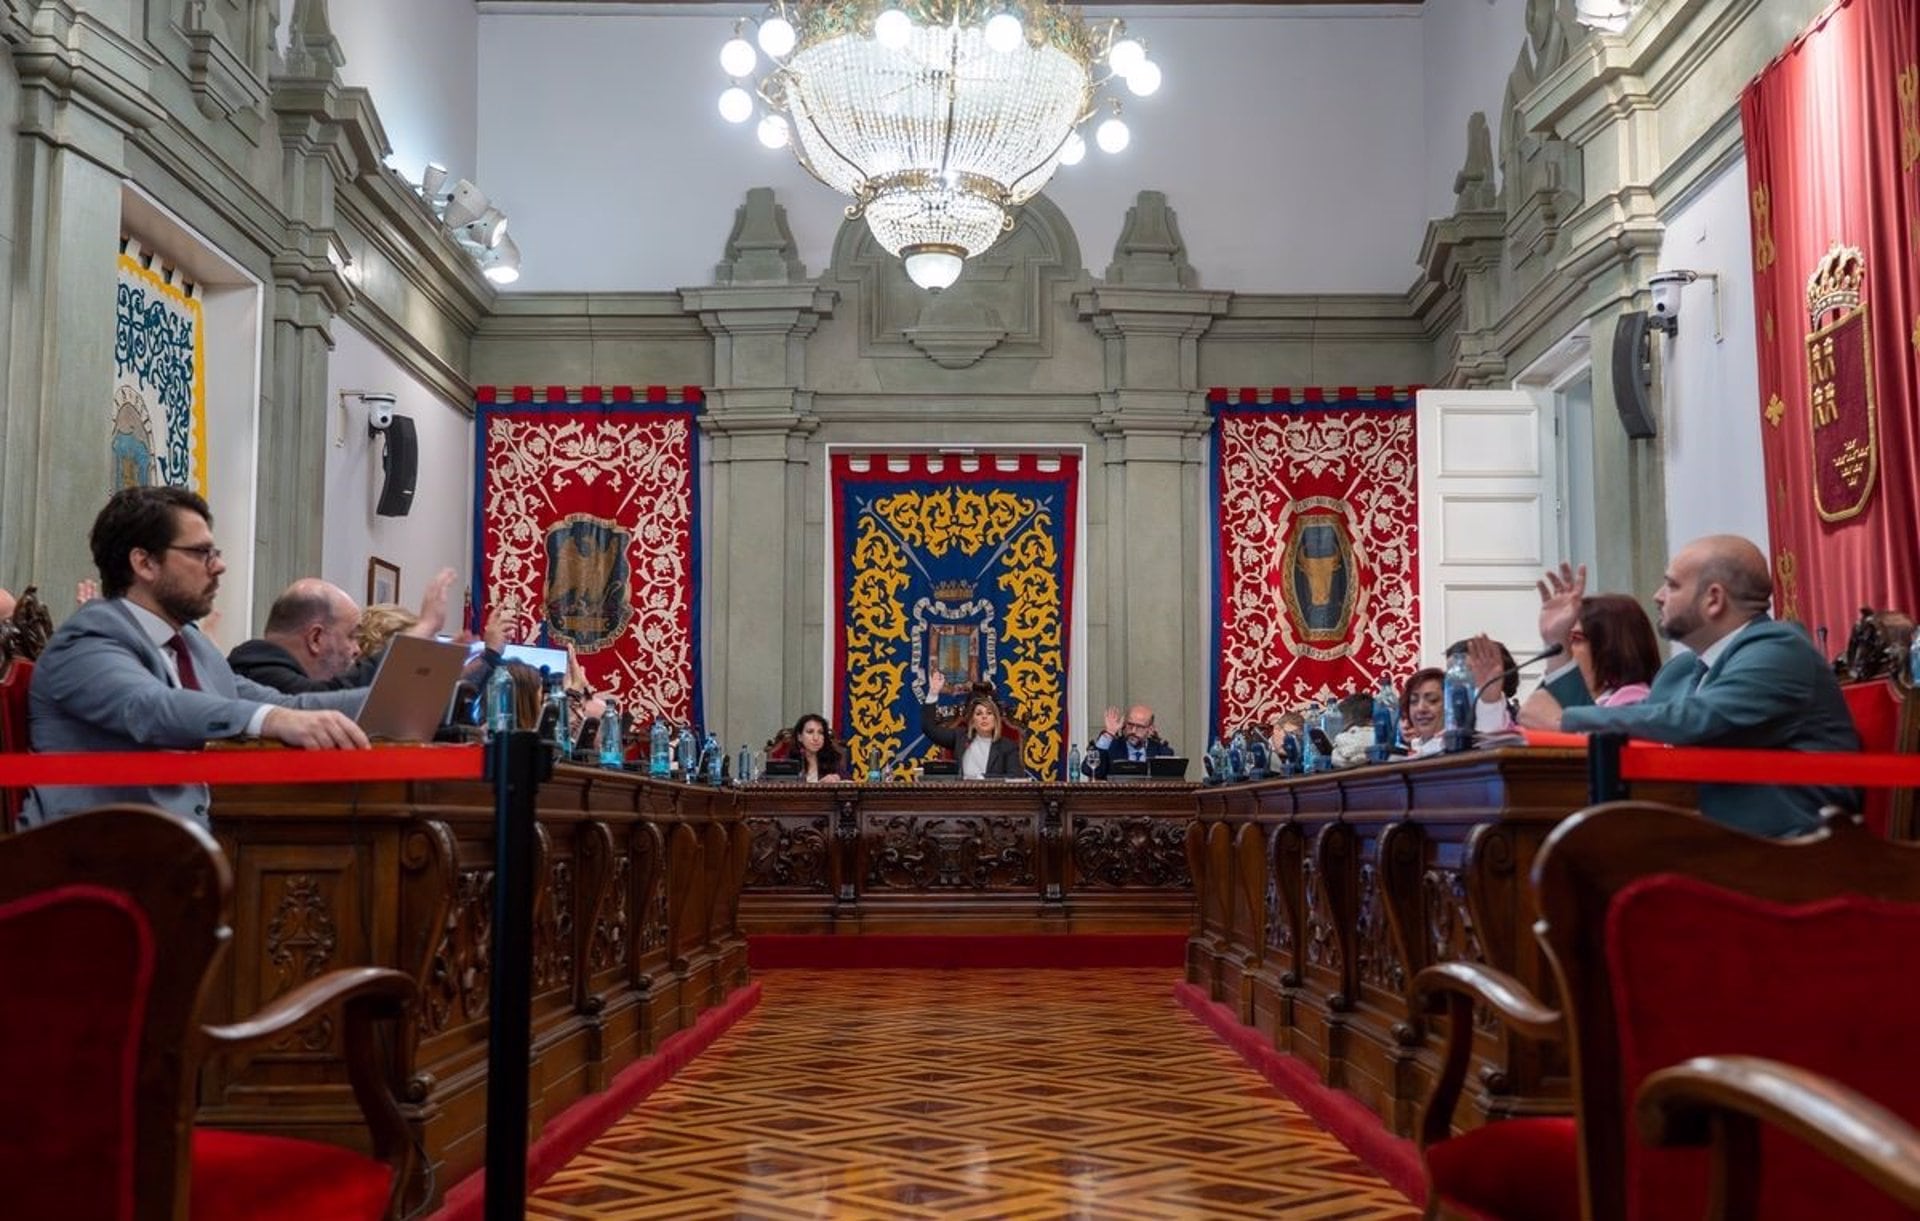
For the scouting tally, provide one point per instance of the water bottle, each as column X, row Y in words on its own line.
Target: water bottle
column 1073, row 765
column 1217, row 762
column 716, row 759
column 659, row 758
column 743, row 765
column 613, row 752
column 558, row 704
column 1460, row 696
column 1386, row 721
column 874, row 774
column 1312, row 762
column 502, row 717
column 1259, row 757
column 1292, row 754
column 686, row 758
column 1237, row 757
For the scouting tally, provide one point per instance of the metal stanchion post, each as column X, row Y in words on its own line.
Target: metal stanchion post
column 516, row 763
column 1603, row 768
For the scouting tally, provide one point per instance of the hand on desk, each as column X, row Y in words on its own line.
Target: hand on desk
column 313, row 729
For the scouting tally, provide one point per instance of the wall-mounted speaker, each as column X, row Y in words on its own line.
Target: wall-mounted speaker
column 399, row 463
column 1633, row 374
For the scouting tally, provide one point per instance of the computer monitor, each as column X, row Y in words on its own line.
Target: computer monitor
column 781, row 769
column 940, row 769
column 553, row 661
column 1167, row 767
column 1128, row 769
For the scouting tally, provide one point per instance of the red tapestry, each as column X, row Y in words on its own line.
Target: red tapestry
column 1833, row 167
column 1316, row 578
column 586, row 522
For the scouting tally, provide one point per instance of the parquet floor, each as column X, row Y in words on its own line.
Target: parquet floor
column 1024, row 1095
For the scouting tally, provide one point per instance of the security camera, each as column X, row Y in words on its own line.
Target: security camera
column 379, row 410
column 1666, row 287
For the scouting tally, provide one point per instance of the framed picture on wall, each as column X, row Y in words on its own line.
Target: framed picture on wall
column 383, row 581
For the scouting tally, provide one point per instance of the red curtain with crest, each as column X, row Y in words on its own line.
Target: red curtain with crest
column 1833, row 163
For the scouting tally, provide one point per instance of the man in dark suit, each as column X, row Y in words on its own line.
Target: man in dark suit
column 1134, row 738
column 129, row 671
column 1749, row 681
column 309, row 644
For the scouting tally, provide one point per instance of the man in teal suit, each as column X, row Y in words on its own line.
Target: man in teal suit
column 1750, row 681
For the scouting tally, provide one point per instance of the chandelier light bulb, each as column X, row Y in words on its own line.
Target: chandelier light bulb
column 933, row 267
column 1145, row 79
column 1125, row 56
column 773, row 131
column 737, row 57
column 736, row 105
column 1074, row 151
column 1113, row 136
column 776, row 36
column 892, row 29
column 1004, row 33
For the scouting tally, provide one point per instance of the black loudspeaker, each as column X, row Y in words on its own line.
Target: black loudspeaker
column 1633, row 374
column 399, row 462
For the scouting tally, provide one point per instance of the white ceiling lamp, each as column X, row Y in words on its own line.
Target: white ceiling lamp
column 937, row 117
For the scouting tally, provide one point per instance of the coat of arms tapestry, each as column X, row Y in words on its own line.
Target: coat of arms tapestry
column 1315, row 549
column 957, row 563
column 586, row 522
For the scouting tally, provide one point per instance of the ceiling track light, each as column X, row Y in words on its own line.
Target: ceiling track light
column 473, row 221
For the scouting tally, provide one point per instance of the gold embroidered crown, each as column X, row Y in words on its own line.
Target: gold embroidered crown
column 1835, row 283
column 953, row 591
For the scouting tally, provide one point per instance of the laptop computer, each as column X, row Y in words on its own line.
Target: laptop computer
column 412, row 689
column 940, row 769
column 781, row 769
column 1128, row 769
column 1167, row 767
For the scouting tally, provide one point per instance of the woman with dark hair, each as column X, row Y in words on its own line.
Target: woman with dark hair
column 975, row 741
column 1614, row 645
column 1423, row 711
column 813, row 746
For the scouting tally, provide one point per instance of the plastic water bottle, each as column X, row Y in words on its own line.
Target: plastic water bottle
column 1217, row 762
column 1259, row 757
column 1292, row 762
column 1460, row 696
column 613, row 752
column 659, row 756
column 687, row 758
column 716, row 759
column 1386, row 721
column 1073, row 765
column 562, row 719
column 874, row 774
column 502, row 717
column 743, row 765
column 1237, row 757
column 1312, row 762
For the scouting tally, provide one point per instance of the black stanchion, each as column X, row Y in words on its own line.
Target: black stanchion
column 1603, row 768
column 516, row 763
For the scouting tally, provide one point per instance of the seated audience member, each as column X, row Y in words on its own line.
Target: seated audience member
column 1134, row 738
column 311, row 639
column 976, row 740
column 1282, row 727
column 1613, row 648
column 1423, row 719
column 130, row 671
column 1749, row 681
column 380, row 623
column 812, row 744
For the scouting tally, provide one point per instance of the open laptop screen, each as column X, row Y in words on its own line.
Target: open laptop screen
column 412, row 689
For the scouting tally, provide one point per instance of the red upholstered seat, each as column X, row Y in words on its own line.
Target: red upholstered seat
column 1705, row 974
column 1884, row 717
column 110, row 923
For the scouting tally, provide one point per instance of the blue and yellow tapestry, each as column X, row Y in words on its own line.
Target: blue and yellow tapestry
column 964, row 564
column 159, row 378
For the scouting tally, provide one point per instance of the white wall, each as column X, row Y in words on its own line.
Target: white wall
column 438, row 533
column 1470, row 48
column 1711, row 414
column 631, row 177
column 420, row 58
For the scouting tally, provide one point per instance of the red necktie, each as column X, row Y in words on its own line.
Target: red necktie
column 184, row 660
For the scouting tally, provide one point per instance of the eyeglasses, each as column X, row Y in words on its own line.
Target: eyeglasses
column 207, row 552
column 1137, row 725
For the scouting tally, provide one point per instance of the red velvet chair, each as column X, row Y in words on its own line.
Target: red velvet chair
column 111, row 923
column 1886, row 714
column 13, row 732
column 1729, row 983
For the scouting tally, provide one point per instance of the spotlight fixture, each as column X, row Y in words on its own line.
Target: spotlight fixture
column 501, row 263
column 473, row 221
column 465, row 205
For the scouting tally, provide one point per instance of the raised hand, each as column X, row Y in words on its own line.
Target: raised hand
column 498, row 623
column 1113, row 722
column 85, row 591
column 936, row 683
column 1483, row 658
column 433, row 604
column 1560, row 593
column 313, row 729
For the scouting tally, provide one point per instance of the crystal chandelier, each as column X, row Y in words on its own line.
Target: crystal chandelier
column 938, row 117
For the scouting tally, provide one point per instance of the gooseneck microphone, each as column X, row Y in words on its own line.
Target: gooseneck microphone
column 1552, row 650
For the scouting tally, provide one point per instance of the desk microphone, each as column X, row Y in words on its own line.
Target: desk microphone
column 1552, row 650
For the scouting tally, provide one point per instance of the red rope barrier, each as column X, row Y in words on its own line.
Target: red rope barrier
column 252, row 766
column 1645, row 761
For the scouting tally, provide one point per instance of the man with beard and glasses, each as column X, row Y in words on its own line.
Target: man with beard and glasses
column 130, row 671
column 1749, row 681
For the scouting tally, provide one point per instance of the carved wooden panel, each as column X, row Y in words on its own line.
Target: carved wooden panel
column 951, row 852
column 789, row 853
column 1130, row 851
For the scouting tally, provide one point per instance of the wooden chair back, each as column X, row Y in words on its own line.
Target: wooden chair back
column 1673, row 937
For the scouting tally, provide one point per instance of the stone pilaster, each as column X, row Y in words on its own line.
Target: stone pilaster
column 1154, row 420
column 758, row 417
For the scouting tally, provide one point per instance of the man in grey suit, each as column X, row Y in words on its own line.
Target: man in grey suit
column 130, row 671
column 1750, row 681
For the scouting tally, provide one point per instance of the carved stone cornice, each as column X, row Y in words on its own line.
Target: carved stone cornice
column 69, row 58
column 1152, row 338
